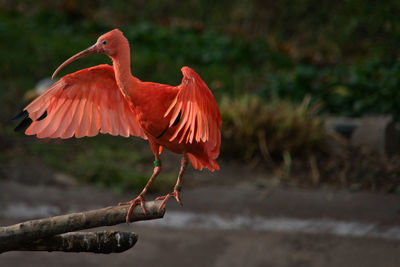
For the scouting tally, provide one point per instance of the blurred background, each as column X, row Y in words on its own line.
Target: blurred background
column 310, row 102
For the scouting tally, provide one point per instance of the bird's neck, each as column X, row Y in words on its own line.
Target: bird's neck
column 122, row 69
column 123, row 76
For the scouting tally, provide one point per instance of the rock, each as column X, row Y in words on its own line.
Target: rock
column 342, row 125
column 379, row 133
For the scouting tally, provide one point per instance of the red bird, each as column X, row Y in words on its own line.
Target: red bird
column 108, row 99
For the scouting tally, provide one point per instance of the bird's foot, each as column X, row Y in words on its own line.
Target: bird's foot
column 165, row 198
column 139, row 200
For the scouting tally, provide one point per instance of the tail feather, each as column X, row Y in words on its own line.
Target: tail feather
column 199, row 163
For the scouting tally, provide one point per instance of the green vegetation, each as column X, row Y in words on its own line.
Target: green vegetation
column 361, row 88
column 107, row 161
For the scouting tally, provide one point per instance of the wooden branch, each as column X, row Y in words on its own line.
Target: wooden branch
column 97, row 242
column 14, row 236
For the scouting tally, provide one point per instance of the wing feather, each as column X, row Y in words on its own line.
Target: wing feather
column 86, row 124
column 81, row 104
column 63, row 119
column 200, row 117
column 123, row 122
column 76, row 119
column 83, row 126
column 40, row 126
column 95, row 122
column 113, row 128
column 48, row 127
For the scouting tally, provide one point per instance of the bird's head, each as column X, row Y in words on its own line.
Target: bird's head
column 111, row 43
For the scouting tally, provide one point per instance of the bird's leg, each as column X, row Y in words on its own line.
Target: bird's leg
column 139, row 200
column 178, row 185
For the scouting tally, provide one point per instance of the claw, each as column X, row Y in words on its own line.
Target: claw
column 165, row 198
column 134, row 202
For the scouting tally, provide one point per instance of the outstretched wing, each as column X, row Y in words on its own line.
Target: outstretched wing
column 194, row 111
column 82, row 104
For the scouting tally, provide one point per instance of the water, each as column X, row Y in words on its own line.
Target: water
column 191, row 220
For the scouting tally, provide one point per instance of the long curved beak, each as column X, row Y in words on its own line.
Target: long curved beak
column 89, row 51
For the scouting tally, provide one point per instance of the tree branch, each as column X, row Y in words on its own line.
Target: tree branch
column 97, row 242
column 15, row 236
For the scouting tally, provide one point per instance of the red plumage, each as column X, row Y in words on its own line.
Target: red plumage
column 108, row 99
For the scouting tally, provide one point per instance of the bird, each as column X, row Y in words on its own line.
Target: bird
column 108, row 99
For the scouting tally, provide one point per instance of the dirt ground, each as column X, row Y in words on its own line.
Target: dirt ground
column 220, row 238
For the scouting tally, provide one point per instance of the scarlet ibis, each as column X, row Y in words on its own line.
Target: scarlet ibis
column 108, row 99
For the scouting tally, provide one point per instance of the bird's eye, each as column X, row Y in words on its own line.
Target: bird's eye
column 104, row 42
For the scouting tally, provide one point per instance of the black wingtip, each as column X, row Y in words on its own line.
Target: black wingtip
column 178, row 118
column 44, row 115
column 24, row 124
column 22, row 114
